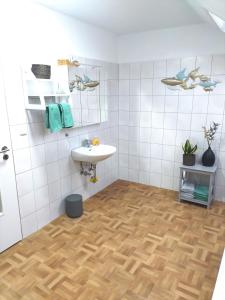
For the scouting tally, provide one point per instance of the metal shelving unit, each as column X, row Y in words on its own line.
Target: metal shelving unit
column 200, row 171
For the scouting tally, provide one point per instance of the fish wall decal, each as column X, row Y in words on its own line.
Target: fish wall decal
column 82, row 84
column 190, row 81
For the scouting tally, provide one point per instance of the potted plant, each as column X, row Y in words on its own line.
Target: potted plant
column 208, row 157
column 189, row 156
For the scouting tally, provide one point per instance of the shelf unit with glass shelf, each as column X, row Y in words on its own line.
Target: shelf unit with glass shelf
column 40, row 92
column 198, row 174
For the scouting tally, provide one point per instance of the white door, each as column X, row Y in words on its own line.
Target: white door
column 10, row 227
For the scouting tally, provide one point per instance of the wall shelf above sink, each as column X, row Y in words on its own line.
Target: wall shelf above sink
column 41, row 92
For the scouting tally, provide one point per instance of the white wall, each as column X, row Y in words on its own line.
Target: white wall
column 45, row 172
column 187, row 41
column 154, row 121
column 32, row 31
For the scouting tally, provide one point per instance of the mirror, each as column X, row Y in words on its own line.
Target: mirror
column 84, row 84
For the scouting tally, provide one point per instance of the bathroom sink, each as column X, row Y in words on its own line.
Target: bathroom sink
column 93, row 154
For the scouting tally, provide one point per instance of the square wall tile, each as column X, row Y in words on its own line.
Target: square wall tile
column 123, row 173
column 43, row 216
column 135, row 103
column 185, row 104
column 124, row 87
column 134, row 118
column 184, row 121
column 135, row 87
column 123, row 132
column 144, row 149
column 36, row 133
column 157, row 120
column 155, row 179
column 51, row 152
column 171, row 103
column 146, row 103
column 216, row 104
column 124, row 118
column 143, row 177
column 197, row 121
column 27, row 204
column 155, row 165
column 53, row 172
column 169, row 137
column 123, row 161
column 37, row 156
column 135, row 71
column 156, row 151
column 124, row 103
column 144, row 164
column 133, row 175
column 29, row 225
column 134, row 133
column 145, row 119
column 134, row 162
column 19, row 136
column 200, row 104
column 145, row 134
column 146, row 87
column 156, row 136
column 158, row 87
column 54, row 191
column 168, row 152
column 22, row 160
column 41, row 197
column 158, row 103
column 170, row 120
column 39, row 177
column 167, row 182
column 24, row 183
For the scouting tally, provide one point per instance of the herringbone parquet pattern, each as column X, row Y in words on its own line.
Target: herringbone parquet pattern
column 133, row 242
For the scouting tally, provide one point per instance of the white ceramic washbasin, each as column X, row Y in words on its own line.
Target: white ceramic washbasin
column 93, row 154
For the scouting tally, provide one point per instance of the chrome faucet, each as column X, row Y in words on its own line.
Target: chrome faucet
column 86, row 143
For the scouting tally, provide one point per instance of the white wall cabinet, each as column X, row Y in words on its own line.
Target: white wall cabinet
column 41, row 92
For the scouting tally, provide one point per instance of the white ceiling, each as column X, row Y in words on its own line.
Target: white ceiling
column 128, row 16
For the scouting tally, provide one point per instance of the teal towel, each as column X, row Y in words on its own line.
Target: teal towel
column 202, row 190
column 66, row 115
column 53, row 118
column 200, row 196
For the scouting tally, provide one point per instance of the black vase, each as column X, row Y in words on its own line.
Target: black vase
column 208, row 158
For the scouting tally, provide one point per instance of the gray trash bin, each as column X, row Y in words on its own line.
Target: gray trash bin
column 74, row 205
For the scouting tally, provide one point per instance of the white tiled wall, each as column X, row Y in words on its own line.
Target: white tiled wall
column 45, row 173
column 148, row 123
column 154, row 121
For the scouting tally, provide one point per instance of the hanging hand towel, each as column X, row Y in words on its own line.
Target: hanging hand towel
column 53, row 118
column 66, row 115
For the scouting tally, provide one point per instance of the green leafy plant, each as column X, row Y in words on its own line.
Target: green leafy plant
column 188, row 148
column 210, row 133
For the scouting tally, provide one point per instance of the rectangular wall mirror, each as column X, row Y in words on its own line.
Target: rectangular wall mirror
column 84, row 83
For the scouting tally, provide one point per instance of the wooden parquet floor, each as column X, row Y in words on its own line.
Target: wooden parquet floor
column 134, row 242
